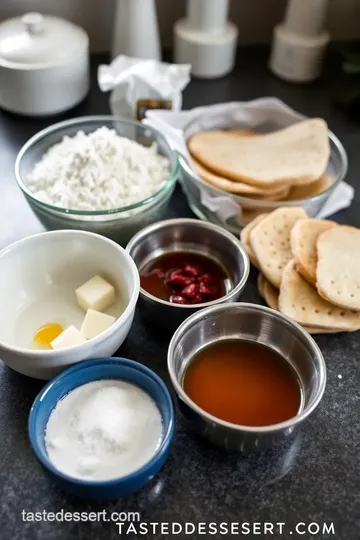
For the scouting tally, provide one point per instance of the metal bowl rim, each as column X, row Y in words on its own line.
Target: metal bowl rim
column 292, row 422
column 202, row 224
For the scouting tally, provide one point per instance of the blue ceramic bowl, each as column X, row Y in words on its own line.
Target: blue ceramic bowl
column 85, row 372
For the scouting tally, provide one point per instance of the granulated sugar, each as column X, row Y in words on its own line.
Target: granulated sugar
column 102, row 430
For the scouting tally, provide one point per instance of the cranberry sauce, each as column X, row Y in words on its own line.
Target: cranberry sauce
column 184, row 277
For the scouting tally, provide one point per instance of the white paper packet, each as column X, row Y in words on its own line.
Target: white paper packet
column 264, row 114
column 138, row 85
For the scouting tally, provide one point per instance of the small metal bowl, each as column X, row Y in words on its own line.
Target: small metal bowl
column 194, row 236
column 259, row 324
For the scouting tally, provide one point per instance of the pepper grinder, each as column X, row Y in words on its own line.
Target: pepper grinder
column 300, row 42
column 136, row 32
column 206, row 39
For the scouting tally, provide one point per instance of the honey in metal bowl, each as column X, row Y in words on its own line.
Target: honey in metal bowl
column 244, row 383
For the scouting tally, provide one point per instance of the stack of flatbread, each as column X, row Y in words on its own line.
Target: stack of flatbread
column 309, row 268
column 288, row 164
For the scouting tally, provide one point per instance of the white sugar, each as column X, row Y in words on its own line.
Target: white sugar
column 102, row 430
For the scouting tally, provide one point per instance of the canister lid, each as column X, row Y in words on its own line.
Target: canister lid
column 39, row 41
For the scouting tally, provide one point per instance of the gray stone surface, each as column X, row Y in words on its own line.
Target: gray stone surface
column 315, row 479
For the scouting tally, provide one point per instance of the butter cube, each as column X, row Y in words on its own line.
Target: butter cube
column 95, row 323
column 96, row 294
column 68, row 338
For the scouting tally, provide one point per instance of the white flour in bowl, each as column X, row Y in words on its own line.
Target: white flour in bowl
column 98, row 171
column 103, row 430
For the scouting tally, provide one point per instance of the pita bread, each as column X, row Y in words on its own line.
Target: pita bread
column 309, row 190
column 303, row 237
column 245, row 239
column 243, row 132
column 338, row 268
column 238, row 187
column 270, row 241
column 271, row 297
column 269, row 293
column 319, row 330
column 301, row 302
column 297, row 154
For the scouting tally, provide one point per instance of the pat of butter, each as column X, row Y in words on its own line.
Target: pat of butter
column 96, row 294
column 68, row 338
column 95, row 323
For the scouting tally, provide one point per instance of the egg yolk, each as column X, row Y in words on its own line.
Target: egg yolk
column 46, row 334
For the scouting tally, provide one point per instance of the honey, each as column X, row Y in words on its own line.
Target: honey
column 244, row 383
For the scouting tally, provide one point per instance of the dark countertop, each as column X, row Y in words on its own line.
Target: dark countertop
column 316, row 479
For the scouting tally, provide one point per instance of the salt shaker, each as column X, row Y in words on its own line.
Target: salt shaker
column 136, row 32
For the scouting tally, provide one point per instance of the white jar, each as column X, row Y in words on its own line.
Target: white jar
column 44, row 65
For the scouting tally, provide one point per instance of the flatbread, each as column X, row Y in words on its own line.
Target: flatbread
column 303, row 237
column 245, row 239
column 319, row 330
column 269, row 293
column 238, row 187
column 301, row 302
column 338, row 268
column 271, row 296
column 247, row 216
column 270, row 241
column 309, row 190
column 242, row 132
column 295, row 155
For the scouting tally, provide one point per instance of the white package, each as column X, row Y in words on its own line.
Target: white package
column 264, row 114
column 138, row 85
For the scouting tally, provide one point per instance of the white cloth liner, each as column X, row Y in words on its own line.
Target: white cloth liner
column 264, row 114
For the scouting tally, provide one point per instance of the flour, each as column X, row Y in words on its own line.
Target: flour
column 99, row 171
column 103, row 430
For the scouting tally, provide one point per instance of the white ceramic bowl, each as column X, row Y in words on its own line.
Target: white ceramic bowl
column 39, row 276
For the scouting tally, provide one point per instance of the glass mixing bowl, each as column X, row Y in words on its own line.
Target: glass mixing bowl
column 120, row 224
column 205, row 199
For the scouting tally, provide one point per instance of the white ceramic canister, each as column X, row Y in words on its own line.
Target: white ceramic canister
column 300, row 42
column 136, row 32
column 206, row 39
column 44, row 65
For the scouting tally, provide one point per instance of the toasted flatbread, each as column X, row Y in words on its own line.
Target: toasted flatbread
column 245, row 239
column 238, row 187
column 270, row 241
column 302, row 303
column 338, row 268
column 295, row 155
column 269, row 293
column 271, row 296
column 309, row 190
column 303, row 237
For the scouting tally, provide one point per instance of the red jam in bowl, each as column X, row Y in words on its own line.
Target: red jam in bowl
column 183, row 277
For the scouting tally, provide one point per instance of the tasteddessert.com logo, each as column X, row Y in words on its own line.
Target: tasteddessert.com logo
column 130, row 524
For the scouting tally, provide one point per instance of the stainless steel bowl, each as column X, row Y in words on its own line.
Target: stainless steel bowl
column 262, row 325
column 188, row 235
